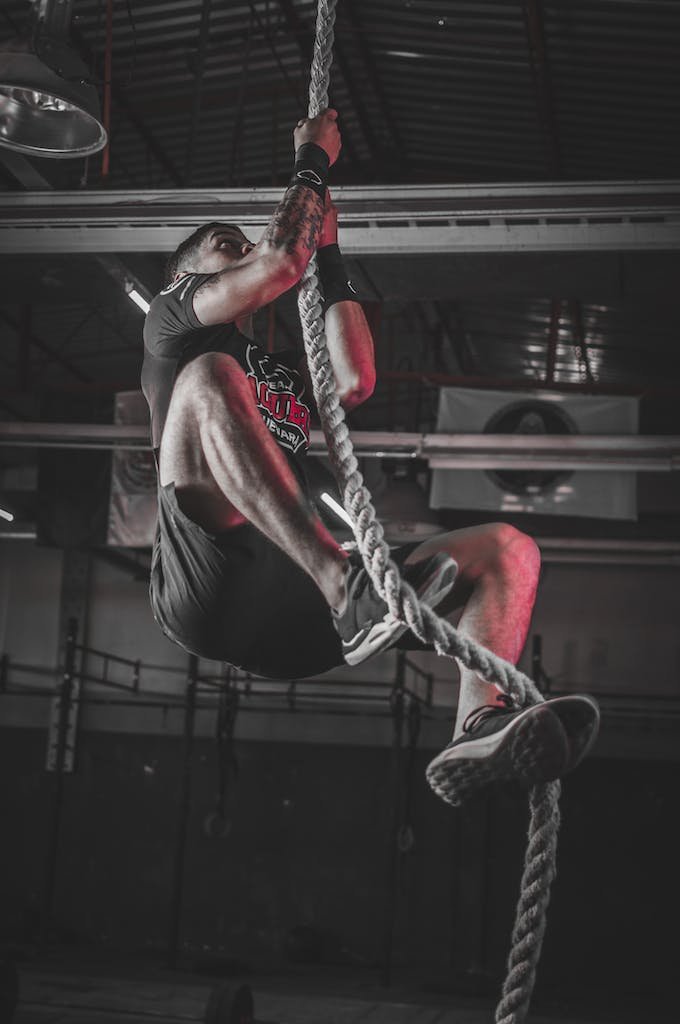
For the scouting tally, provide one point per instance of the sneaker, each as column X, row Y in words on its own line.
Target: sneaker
column 367, row 627
column 580, row 718
column 502, row 741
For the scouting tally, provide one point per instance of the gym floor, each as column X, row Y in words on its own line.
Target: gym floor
column 72, row 989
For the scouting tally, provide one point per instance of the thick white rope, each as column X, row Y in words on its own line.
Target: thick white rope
column 539, row 870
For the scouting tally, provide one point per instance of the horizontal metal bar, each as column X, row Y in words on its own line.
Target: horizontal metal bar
column 412, row 238
column 609, row 545
column 374, row 219
column 528, row 194
column 563, row 461
column 611, row 558
column 554, row 551
column 113, row 658
column 632, row 452
column 618, row 705
column 114, row 435
column 91, row 436
column 301, row 706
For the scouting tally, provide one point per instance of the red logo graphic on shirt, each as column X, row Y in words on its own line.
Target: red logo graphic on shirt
column 278, row 393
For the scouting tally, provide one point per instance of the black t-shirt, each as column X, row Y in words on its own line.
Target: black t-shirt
column 173, row 336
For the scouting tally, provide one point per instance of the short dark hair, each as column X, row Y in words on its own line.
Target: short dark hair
column 186, row 250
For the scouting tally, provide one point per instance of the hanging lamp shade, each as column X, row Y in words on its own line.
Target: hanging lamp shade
column 48, row 107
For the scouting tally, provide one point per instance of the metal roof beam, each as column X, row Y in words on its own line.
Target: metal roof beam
column 27, row 175
column 390, row 219
column 534, row 20
column 127, row 107
column 28, row 336
column 303, row 36
column 196, row 99
column 348, row 12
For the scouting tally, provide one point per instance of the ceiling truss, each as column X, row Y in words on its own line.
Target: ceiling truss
column 574, row 217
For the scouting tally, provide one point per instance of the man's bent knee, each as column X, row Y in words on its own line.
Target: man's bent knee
column 513, row 552
column 201, row 390
column 208, row 372
column 197, row 397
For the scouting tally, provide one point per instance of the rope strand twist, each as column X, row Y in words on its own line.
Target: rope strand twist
column 540, row 859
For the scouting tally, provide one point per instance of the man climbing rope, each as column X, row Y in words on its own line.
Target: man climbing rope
column 244, row 570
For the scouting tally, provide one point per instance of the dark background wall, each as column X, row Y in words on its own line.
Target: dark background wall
column 311, row 812
column 310, row 845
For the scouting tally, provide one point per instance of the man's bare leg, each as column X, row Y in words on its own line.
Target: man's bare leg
column 228, row 469
column 498, row 576
column 498, row 570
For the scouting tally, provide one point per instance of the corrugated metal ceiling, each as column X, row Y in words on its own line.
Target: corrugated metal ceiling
column 427, row 92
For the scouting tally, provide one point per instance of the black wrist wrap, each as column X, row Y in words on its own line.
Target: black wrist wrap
column 311, row 168
column 336, row 284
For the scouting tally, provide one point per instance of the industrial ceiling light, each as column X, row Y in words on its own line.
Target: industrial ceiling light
column 340, row 512
column 138, row 299
column 48, row 106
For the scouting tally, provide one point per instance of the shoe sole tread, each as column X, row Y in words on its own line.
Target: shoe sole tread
column 532, row 749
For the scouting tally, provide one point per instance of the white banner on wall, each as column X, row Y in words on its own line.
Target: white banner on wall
column 133, row 506
column 601, row 494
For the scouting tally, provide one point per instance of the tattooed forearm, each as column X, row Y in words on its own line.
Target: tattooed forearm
column 296, row 221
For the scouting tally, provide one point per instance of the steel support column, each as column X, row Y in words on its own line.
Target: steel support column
column 578, row 328
column 177, row 894
column 553, row 338
column 64, row 711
